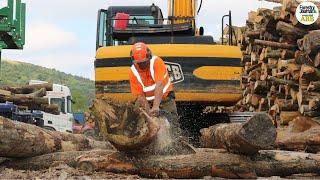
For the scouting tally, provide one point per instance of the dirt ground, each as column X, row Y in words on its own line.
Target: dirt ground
column 64, row 172
column 60, row 172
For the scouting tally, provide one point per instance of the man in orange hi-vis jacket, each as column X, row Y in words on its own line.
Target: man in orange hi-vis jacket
column 150, row 82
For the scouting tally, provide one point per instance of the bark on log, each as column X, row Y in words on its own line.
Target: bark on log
column 284, row 82
column 302, row 134
column 248, row 138
column 47, row 160
column 27, row 89
column 26, row 140
column 275, row 44
column 206, row 162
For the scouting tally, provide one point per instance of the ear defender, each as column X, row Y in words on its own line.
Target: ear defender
column 149, row 54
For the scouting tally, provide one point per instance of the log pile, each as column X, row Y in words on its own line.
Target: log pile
column 29, row 97
column 281, row 60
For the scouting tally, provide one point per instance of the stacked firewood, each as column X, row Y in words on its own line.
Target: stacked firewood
column 281, row 60
column 29, row 97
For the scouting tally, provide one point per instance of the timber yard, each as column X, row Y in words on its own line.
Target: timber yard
column 168, row 100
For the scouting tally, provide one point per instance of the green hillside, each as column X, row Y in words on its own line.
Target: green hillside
column 18, row 73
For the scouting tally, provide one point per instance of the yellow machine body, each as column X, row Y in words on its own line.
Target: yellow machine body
column 200, row 73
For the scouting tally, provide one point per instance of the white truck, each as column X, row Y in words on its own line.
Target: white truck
column 61, row 96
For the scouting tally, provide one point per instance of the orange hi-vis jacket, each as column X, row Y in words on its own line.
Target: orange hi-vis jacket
column 144, row 82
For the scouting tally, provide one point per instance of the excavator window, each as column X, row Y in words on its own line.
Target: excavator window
column 102, row 28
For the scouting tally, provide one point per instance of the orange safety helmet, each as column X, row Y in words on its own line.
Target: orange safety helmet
column 140, row 53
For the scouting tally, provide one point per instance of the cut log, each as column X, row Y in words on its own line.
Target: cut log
column 314, row 86
column 310, row 43
column 129, row 128
column 302, row 134
column 261, row 87
column 288, row 116
column 248, row 138
column 286, row 105
column 253, row 34
column 284, row 82
column 47, row 160
column 27, row 89
column 275, row 44
column 310, row 73
column 206, row 162
column 287, row 54
column 288, row 29
column 314, row 103
column 33, row 140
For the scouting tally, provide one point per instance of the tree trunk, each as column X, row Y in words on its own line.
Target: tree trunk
column 302, row 134
column 205, row 162
column 27, row 89
column 248, row 138
column 26, row 140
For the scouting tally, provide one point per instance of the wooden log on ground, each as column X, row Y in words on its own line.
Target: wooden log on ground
column 206, row 162
column 27, row 89
column 275, row 44
column 47, row 160
column 302, row 134
column 248, row 138
column 26, row 140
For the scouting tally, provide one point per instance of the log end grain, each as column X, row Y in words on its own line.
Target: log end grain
column 259, row 131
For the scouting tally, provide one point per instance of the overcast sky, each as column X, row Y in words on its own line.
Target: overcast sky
column 61, row 34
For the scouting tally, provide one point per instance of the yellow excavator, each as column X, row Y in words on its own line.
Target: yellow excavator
column 203, row 72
